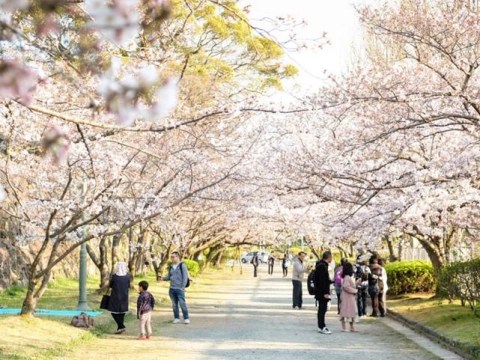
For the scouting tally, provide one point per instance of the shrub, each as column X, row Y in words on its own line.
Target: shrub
column 461, row 281
column 410, row 277
column 192, row 266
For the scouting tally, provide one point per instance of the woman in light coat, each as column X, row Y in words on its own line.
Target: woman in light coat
column 348, row 310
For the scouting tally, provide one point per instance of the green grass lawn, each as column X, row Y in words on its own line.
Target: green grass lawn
column 449, row 319
column 49, row 337
column 43, row 338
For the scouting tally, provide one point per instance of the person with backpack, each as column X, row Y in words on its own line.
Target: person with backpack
column 255, row 263
column 299, row 269
column 322, row 289
column 179, row 281
column 375, row 288
column 361, row 275
column 338, row 282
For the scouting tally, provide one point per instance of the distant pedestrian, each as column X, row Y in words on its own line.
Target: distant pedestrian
column 338, row 278
column 178, row 277
column 381, row 262
column 361, row 275
column 285, row 264
column 322, row 283
column 299, row 269
column 118, row 303
column 375, row 288
column 348, row 310
column 145, row 305
column 271, row 262
column 255, row 262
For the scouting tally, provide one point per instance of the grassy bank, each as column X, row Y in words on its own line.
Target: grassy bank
column 450, row 320
column 44, row 338
column 48, row 337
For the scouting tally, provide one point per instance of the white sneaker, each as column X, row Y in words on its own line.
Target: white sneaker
column 324, row 331
column 176, row 321
column 186, row 321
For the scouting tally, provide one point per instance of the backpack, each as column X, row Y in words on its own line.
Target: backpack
column 181, row 270
column 311, row 282
column 82, row 321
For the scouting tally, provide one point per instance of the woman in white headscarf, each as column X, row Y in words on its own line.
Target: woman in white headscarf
column 118, row 304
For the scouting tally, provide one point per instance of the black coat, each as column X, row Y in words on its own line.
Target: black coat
column 119, row 297
column 322, row 280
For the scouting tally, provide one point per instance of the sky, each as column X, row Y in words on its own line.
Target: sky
column 335, row 17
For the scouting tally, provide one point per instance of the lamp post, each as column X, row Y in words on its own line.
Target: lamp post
column 82, row 278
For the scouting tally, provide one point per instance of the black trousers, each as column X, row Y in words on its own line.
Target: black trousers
column 285, row 271
column 362, row 301
column 270, row 269
column 255, row 271
column 119, row 319
column 297, row 293
column 322, row 310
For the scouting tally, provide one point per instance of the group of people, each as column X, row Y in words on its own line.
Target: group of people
column 354, row 283
column 271, row 263
column 119, row 297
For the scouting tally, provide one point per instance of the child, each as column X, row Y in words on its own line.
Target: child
column 348, row 310
column 145, row 305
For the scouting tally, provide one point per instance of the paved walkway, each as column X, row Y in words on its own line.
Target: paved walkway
column 245, row 318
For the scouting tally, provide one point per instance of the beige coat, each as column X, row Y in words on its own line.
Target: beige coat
column 348, row 307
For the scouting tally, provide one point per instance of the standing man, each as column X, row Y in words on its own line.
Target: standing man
column 271, row 262
column 178, row 277
column 322, row 283
column 255, row 263
column 299, row 269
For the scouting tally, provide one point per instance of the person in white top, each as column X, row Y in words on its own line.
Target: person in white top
column 381, row 262
column 299, row 269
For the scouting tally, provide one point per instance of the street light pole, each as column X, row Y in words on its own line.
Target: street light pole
column 82, row 296
column 82, row 276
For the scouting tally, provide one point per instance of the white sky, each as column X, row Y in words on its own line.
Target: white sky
column 335, row 17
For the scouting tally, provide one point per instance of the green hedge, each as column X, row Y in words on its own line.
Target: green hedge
column 410, row 277
column 192, row 266
column 461, row 281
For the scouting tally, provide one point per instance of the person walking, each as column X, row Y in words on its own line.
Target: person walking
column 322, row 284
column 178, row 277
column 348, row 310
column 299, row 269
column 118, row 303
column 338, row 276
column 285, row 264
column 271, row 262
column 255, row 263
column 145, row 305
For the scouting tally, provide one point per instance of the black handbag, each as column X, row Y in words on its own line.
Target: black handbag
column 104, row 302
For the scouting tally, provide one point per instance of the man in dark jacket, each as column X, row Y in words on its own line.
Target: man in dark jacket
column 322, row 284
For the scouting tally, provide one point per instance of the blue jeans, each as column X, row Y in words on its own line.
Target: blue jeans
column 178, row 296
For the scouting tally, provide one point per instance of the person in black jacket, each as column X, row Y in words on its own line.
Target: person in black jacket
column 322, row 284
column 118, row 303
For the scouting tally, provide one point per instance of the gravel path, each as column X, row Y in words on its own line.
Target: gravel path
column 239, row 317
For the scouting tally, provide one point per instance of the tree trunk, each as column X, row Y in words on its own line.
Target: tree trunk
column 30, row 302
